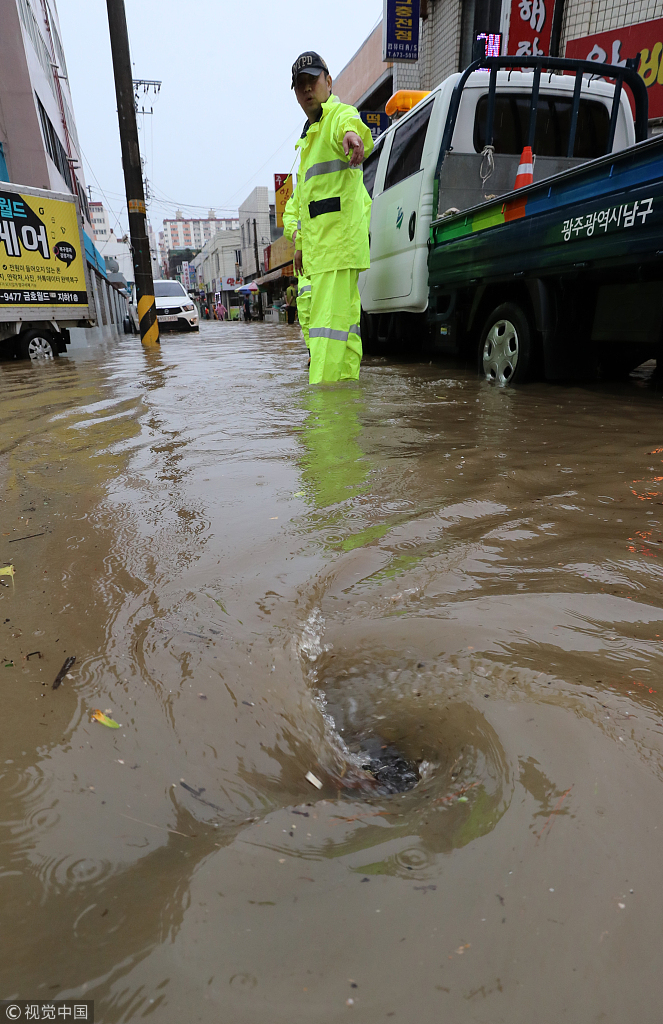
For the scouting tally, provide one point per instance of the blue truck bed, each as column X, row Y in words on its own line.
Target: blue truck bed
column 607, row 211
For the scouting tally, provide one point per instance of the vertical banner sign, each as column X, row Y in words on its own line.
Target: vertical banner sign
column 530, row 27
column 615, row 46
column 282, row 192
column 400, row 30
column 376, row 121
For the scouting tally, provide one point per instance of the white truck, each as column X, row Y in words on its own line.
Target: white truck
column 451, row 242
column 44, row 283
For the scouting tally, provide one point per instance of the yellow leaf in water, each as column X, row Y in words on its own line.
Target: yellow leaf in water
column 7, row 571
column 101, row 717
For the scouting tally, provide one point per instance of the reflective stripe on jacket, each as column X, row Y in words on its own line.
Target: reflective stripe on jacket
column 332, row 199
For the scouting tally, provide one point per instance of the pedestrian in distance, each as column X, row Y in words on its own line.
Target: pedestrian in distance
column 291, row 301
column 220, row 311
column 331, row 245
column 247, row 308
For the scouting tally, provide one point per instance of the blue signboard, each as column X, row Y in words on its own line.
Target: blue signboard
column 400, row 30
column 375, row 120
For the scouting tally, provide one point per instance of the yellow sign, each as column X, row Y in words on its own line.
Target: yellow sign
column 282, row 191
column 41, row 262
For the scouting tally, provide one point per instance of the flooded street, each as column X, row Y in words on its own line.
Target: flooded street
column 441, row 599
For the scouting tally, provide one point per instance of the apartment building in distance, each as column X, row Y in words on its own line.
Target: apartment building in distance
column 100, row 222
column 192, row 233
column 38, row 139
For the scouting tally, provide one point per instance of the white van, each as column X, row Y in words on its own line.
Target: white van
column 175, row 310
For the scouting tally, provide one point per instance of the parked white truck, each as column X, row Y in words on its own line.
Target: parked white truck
column 44, row 284
column 452, row 244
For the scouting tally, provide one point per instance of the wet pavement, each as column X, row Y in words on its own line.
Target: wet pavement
column 441, row 599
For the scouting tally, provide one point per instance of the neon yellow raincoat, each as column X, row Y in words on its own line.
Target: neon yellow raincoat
column 290, row 225
column 333, row 208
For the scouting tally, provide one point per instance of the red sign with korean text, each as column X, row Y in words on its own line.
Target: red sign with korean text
column 530, row 27
column 615, row 46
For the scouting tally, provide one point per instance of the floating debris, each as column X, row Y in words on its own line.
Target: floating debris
column 63, row 671
column 310, row 777
column 99, row 716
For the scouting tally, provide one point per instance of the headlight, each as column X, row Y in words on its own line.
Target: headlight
column 187, row 309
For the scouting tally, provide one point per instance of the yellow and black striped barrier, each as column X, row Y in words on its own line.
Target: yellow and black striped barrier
column 147, row 319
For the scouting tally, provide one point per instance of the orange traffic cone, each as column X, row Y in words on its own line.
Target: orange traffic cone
column 525, row 175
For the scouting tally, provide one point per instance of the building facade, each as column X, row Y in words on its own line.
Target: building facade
column 256, row 224
column 218, row 266
column 600, row 30
column 192, row 233
column 100, row 222
column 38, row 138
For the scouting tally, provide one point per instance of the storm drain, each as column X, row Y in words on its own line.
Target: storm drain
column 392, row 772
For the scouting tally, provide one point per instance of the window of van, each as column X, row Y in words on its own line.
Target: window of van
column 553, row 124
column 407, row 146
column 370, row 166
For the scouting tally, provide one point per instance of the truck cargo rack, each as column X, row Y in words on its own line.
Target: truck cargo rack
column 623, row 75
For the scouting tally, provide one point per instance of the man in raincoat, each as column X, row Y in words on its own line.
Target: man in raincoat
column 331, row 245
column 290, row 230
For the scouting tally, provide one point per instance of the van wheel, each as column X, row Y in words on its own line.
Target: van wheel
column 506, row 349
column 36, row 345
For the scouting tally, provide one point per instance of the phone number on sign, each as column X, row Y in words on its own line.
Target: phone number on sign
column 33, row 297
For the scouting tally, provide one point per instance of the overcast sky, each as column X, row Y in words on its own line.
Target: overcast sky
column 226, row 119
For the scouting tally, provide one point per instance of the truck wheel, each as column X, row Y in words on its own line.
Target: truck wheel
column 506, row 347
column 36, row 344
column 368, row 328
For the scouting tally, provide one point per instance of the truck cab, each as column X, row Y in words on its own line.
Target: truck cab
column 437, row 158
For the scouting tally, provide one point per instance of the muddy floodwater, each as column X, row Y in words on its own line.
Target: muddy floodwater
column 439, row 600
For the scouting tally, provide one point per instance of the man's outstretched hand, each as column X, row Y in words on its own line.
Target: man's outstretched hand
column 351, row 141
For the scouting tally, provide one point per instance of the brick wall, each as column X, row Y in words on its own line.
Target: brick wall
column 439, row 48
column 585, row 17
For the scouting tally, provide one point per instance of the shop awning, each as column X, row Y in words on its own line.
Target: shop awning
column 284, row 271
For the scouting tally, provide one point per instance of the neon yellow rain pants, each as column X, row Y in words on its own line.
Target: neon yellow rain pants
column 334, row 333
column 304, row 305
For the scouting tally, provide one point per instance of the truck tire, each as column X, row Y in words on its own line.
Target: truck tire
column 368, row 328
column 506, row 349
column 37, row 344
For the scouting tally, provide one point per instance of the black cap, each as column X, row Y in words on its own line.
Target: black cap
column 308, row 63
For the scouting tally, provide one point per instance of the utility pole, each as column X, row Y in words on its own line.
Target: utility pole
column 133, row 173
column 261, row 315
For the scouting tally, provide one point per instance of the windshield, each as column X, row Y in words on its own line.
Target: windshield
column 164, row 288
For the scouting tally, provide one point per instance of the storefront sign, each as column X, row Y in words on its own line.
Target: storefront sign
column 493, row 42
column 228, row 283
column 615, row 46
column 400, row 30
column 530, row 27
column 376, row 121
column 41, row 262
column 282, row 191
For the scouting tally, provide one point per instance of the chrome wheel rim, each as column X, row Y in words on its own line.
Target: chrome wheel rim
column 500, row 352
column 40, row 348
